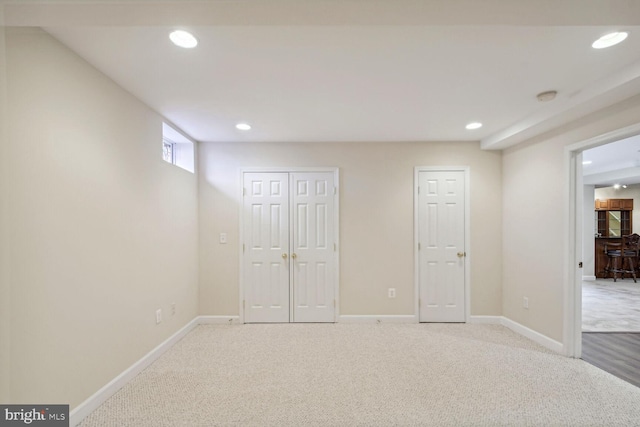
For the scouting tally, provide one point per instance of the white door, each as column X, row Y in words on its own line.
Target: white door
column 313, row 256
column 290, row 258
column 266, row 256
column 441, row 251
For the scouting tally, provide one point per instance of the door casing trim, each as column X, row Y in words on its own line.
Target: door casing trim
column 467, row 235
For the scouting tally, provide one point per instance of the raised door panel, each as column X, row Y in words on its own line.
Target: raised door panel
column 602, row 204
column 627, row 204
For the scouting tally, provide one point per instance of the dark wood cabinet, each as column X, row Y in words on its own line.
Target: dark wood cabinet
column 613, row 220
column 625, row 223
column 601, row 223
column 614, row 204
column 613, row 217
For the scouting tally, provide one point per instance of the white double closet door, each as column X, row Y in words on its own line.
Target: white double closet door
column 290, row 249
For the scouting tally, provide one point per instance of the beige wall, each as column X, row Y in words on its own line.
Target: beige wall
column 103, row 231
column 534, row 185
column 631, row 192
column 5, row 291
column 376, row 219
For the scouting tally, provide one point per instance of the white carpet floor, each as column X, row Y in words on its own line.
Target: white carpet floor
column 367, row 375
column 609, row 306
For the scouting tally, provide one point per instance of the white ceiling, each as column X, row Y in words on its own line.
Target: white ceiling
column 355, row 70
column 615, row 163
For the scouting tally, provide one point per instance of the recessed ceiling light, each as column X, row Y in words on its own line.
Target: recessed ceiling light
column 587, row 162
column 243, row 126
column 474, row 125
column 616, row 186
column 609, row 40
column 183, row 39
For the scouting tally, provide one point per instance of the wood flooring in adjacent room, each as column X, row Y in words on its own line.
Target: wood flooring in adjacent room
column 615, row 352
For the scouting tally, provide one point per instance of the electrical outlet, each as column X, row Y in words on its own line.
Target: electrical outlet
column 525, row 302
column 158, row 316
column 223, row 238
column 392, row 292
column 173, row 308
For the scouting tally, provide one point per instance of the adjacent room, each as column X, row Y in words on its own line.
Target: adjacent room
column 323, row 213
column 610, row 290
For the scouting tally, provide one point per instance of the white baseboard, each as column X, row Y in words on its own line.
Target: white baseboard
column 383, row 318
column 219, row 320
column 81, row 411
column 485, row 320
column 534, row 336
column 516, row 327
column 588, row 278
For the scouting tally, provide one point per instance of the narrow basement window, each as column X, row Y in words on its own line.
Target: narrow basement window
column 177, row 149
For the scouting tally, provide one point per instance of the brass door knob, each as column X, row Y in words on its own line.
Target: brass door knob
column 461, row 254
column 294, row 256
column 284, row 255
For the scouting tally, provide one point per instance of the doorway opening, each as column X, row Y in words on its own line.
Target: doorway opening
column 596, row 327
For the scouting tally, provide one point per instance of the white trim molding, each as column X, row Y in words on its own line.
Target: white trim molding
column 98, row 398
column 83, row 410
column 485, row 320
column 219, row 320
column 588, row 278
column 382, row 318
column 519, row 329
column 534, row 336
